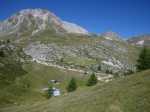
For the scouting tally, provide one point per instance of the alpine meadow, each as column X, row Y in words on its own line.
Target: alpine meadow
column 48, row 64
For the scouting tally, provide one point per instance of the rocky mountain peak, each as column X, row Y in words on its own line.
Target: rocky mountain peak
column 36, row 20
column 39, row 13
column 141, row 40
column 111, row 35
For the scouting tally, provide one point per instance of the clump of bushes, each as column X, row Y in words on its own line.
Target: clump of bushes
column 49, row 92
column 143, row 62
column 108, row 72
column 2, row 54
column 72, row 85
column 92, row 80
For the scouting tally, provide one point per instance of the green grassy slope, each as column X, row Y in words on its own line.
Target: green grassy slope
column 28, row 87
column 129, row 94
column 10, row 70
column 62, row 39
column 39, row 75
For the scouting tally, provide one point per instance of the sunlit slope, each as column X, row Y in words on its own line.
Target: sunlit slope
column 28, row 87
column 129, row 94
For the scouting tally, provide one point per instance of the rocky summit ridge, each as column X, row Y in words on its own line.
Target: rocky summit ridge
column 141, row 40
column 36, row 20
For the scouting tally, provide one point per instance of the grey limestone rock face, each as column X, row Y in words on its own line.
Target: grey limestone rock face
column 53, row 53
column 36, row 20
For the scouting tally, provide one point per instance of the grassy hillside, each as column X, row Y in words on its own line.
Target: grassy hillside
column 129, row 94
column 27, row 86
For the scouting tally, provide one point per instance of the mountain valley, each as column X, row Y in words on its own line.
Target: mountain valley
column 37, row 47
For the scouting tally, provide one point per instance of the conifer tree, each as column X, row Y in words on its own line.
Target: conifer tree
column 143, row 62
column 92, row 80
column 50, row 92
column 72, row 86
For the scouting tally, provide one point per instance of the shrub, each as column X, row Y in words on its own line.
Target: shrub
column 108, row 71
column 129, row 72
column 92, row 80
column 2, row 54
column 99, row 68
column 50, row 92
column 143, row 62
column 72, row 86
column 7, row 41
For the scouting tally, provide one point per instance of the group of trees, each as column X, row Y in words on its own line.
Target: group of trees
column 72, row 86
column 143, row 62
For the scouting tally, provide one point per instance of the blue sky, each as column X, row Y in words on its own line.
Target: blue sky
column 126, row 17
